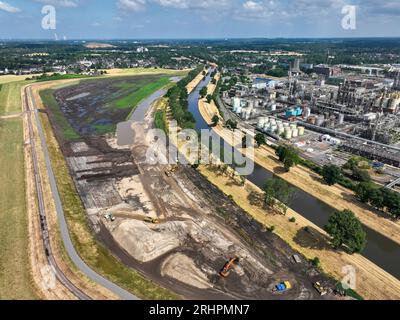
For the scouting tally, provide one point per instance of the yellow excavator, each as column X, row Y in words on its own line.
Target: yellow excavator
column 226, row 270
column 171, row 170
column 151, row 220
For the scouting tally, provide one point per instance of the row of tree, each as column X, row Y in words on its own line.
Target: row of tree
column 379, row 197
column 178, row 100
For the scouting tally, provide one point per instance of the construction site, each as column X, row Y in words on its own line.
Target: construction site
column 174, row 227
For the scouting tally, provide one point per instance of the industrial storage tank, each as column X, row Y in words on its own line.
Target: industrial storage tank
column 261, row 122
column 243, row 113
column 236, row 104
column 288, row 133
column 281, row 129
column 273, row 107
column 273, row 128
column 301, row 131
column 341, row 118
column 320, row 120
column 295, row 133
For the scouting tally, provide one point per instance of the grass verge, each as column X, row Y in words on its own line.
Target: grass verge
column 50, row 102
column 16, row 281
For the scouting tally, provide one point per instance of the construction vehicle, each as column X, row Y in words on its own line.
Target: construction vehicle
column 170, row 171
column 321, row 290
column 282, row 286
column 109, row 217
column 151, row 220
column 226, row 270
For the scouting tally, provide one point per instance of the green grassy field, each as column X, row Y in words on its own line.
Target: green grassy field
column 98, row 257
column 10, row 97
column 50, row 102
column 133, row 99
column 15, row 277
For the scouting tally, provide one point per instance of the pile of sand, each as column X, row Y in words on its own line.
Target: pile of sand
column 182, row 268
column 143, row 243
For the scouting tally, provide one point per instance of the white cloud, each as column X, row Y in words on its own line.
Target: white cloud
column 60, row 3
column 132, row 5
column 194, row 4
column 8, row 7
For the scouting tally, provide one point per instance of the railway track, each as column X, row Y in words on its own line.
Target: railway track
column 42, row 213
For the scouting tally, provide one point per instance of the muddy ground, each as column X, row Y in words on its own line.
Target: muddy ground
column 91, row 106
column 199, row 227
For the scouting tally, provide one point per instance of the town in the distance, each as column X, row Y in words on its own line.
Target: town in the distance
column 85, row 217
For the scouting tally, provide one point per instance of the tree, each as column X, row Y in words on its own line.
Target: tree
column 278, row 189
column 260, row 139
column 363, row 191
column 209, row 98
column 346, row 229
column 215, row 120
column 288, row 156
column 230, row 124
column 203, row 92
column 361, row 175
column 331, row 174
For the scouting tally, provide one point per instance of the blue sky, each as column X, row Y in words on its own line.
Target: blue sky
column 107, row 19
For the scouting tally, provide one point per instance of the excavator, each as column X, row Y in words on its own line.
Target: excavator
column 226, row 270
column 170, row 171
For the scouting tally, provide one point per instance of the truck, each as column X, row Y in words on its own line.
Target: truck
column 282, row 286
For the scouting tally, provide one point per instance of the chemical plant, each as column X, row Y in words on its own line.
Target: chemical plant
column 357, row 112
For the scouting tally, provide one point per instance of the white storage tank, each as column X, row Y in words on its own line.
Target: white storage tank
column 320, row 120
column 295, row 133
column 293, row 126
column 243, row 113
column 288, row 133
column 274, row 128
column 280, row 130
column 301, row 131
column 273, row 107
column 236, row 104
column 286, row 124
column 248, row 114
column 261, row 122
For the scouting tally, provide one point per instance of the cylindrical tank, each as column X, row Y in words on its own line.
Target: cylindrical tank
column 301, row 131
column 280, row 130
column 288, row 133
column 273, row 107
column 295, row 133
column 286, row 124
column 274, row 128
column 320, row 120
column 243, row 113
column 267, row 126
column 341, row 118
column 236, row 104
column 248, row 114
column 261, row 122
column 293, row 126
column 307, row 112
